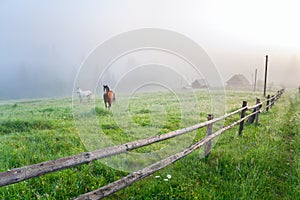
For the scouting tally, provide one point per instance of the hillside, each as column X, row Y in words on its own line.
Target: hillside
column 263, row 163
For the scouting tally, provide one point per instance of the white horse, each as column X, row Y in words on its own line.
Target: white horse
column 84, row 93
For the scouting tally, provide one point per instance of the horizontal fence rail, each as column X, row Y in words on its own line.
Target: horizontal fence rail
column 23, row 173
column 20, row 174
column 135, row 176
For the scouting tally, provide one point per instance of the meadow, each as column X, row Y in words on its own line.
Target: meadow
column 263, row 163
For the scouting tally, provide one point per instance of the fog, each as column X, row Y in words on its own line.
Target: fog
column 44, row 44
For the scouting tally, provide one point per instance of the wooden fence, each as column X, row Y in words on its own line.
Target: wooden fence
column 20, row 174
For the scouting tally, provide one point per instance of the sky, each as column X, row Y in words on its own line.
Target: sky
column 43, row 44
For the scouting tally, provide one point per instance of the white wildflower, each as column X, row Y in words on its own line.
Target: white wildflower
column 166, row 179
column 157, row 176
column 169, row 176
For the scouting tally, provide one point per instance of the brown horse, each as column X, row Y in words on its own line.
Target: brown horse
column 108, row 96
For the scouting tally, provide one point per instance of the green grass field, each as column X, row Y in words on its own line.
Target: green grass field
column 263, row 163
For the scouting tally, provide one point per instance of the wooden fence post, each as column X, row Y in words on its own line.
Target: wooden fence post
column 280, row 92
column 272, row 101
column 252, row 117
column 257, row 109
column 207, row 146
column 268, row 103
column 277, row 96
column 243, row 114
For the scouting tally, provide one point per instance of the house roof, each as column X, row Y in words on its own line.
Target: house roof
column 200, row 81
column 238, row 79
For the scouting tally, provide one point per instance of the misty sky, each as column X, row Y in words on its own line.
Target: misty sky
column 43, row 43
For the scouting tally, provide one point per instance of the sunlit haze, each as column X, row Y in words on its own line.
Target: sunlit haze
column 44, row 43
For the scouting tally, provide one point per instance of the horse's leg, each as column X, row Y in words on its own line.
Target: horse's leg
column 105, row 103
column 109, row 103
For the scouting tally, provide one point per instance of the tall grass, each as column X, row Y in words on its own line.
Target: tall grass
column 263, row 163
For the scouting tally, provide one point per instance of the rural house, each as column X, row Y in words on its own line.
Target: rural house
column 238, row 80
column 199, row 83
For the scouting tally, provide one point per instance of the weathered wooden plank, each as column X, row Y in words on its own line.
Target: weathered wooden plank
column 254, row 106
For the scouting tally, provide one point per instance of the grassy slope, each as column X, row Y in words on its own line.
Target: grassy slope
column 262, row 164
